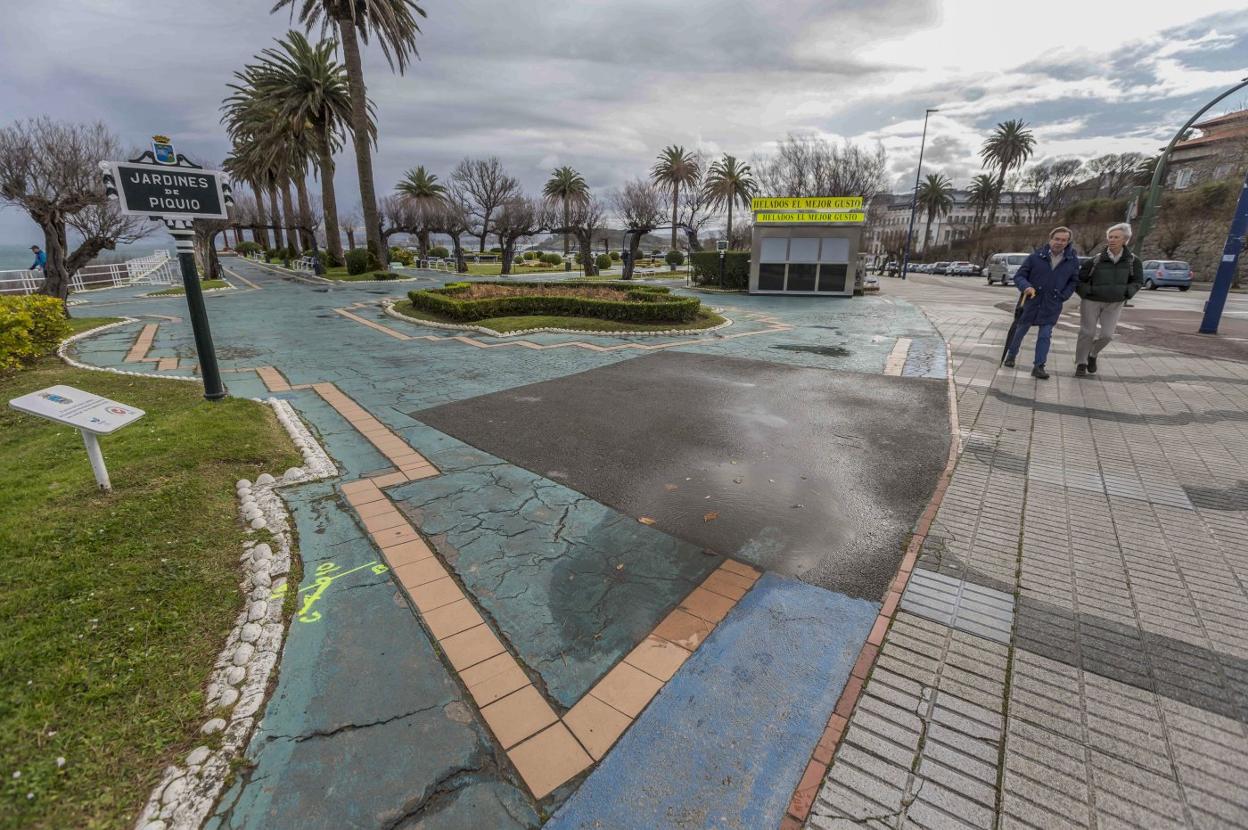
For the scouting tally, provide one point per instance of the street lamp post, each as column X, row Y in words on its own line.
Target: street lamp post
column 1227, row 265
column 914, row 197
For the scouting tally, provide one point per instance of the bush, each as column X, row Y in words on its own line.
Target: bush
column 439, row 252
column 648, row 304
column 358, row 261
column 674, row 258
column 603, row 261
column 331, row 260
column 704, row 266
column 30, row 326
column 247, row 248
column 615, row 256
column 530, row 255
column 271, row 254
column 578, row 258
column 496, row 250
column 402, row 256
column 551, row 259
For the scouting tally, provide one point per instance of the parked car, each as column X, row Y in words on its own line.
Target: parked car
column 962, row 269
column 939, row 267
column 1167, row 273
column 1001, row 267
column 892, row 267
column 870, row 282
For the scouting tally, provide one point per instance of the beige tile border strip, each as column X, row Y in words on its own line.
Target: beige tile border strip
column 143, row 344
column 896, row 361
column 546, row 749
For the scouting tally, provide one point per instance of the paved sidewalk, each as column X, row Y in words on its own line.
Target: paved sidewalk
column 1072, row 649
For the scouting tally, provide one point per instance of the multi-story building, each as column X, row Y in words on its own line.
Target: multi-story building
column 1219, row 150
column 888, row 220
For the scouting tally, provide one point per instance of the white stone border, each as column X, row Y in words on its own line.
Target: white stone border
column 236, row 688
column 156, row 295
column 313, row 279
column 388, row 308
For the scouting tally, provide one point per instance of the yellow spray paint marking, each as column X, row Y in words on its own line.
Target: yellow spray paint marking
column 326, row 574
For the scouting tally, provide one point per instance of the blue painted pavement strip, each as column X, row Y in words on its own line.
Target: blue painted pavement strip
column 736, row 725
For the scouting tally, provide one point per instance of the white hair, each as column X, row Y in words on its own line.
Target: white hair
column 1125, row 227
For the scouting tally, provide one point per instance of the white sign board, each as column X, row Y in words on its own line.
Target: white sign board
column 78, row 409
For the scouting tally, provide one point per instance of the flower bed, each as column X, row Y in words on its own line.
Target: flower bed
column 468, row 302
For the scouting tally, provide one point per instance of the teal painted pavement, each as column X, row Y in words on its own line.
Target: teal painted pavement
column 367, row 727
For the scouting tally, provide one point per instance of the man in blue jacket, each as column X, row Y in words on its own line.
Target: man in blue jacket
column 1047, row 279
column 41, row 260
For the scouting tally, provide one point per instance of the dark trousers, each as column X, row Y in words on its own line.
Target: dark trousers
column 1043, row 337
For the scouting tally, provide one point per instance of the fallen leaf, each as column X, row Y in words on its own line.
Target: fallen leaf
column 620, row 567
column 670, row 487
column 710, row 517
column 646, row 520
column 737, row 480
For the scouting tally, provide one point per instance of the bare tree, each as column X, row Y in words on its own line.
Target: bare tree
column 584, row 220
column 486, row 186
column 452, row 219
column 51, row 171
column 350, row 222
column 807, row 165
column 1174, row 229
column 1052, row 181
column 1113, row 171
column 517, row 218
column 696, row 208
column 397, row 214
column 742, row 236
column 639, row 205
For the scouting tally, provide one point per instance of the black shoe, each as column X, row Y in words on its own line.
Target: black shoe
column 1038, row 372
column 1009, row 360
column 1091, row 365
column 1081, row 370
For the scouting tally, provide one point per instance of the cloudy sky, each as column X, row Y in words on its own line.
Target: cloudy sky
column 602, row 86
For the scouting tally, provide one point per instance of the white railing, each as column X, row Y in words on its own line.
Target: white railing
column 447, row 265
column 305, row 264
column 155, row 269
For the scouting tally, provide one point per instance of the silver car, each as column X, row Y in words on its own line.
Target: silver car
column 1001, row 267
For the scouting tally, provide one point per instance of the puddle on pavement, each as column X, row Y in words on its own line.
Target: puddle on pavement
column 826, row 351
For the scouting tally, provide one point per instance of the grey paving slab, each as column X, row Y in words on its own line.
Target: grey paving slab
column 960, row 604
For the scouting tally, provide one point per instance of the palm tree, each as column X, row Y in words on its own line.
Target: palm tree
column 982, row 192
column 307, row 90
column 393, row 23
column 675, row 168
column 567, row 186
column 1008, row 147
column 423, row 188
column 936, row 197
column 728, row 181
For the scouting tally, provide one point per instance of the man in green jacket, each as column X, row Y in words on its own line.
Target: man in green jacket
column 1108, row 279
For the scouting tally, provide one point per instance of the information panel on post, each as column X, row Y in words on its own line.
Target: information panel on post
column 167, row 191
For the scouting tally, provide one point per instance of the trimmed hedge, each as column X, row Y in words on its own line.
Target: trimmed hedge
column 439, row 252
column 704, row 266
column 30, row 326
column 402, row 256
column 603, row 261
column 247, row 247
column 644, row 304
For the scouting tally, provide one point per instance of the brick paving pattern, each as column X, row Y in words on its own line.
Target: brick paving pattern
column 1105, row 681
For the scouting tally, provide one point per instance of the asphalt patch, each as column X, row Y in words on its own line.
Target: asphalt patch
column 826, row 351
column 814, row 473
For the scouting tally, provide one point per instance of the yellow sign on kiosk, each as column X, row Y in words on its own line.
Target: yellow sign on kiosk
column 806, row 203
column 857, row 217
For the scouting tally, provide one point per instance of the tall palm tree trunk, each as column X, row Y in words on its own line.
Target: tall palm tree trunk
column 360, row 133
column 996, row 198
column 306, row 230
column 567, row 238
column 927, row 231
column 260, row 234
column 329, row 202
column 279, row 236
column 730, row 223
column 675, row 207
column 288, row 209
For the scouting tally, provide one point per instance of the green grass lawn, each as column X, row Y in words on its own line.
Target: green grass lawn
column 77, row 325
column 503, row 325
column 205, row 285
column 115, row 605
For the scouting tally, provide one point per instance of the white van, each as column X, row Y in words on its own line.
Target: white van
column 1001, row 267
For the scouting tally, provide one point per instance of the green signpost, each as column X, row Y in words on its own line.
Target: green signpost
column 165, row 186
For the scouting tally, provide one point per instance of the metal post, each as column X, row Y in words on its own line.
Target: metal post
column 97, row 459
column 184, row 241
column 914, row 197
column 1226, row 268
column 1153, row 199
column 721, row 269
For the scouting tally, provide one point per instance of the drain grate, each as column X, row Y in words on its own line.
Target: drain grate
column 959, row 604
